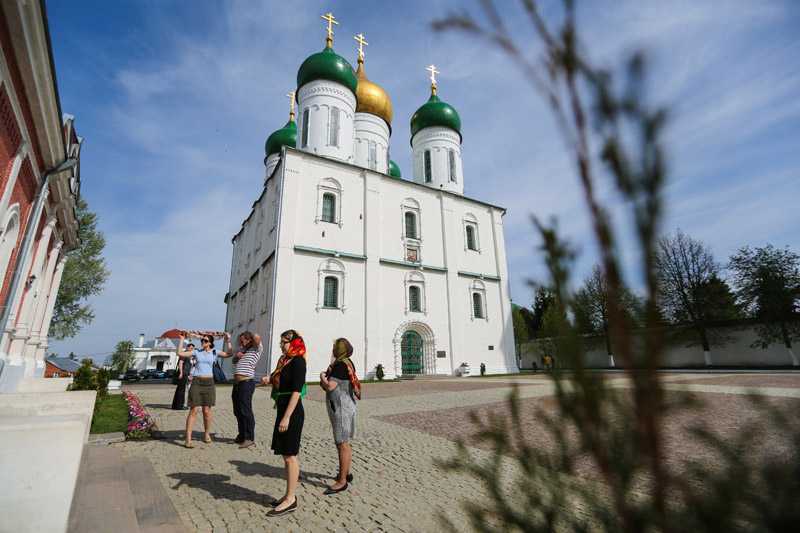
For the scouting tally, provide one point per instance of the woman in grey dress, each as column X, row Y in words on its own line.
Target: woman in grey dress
column 341, row 388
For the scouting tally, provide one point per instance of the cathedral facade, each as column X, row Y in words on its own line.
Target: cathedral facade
column 412, row 273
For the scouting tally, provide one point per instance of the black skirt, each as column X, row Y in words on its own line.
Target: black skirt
column 288, row 442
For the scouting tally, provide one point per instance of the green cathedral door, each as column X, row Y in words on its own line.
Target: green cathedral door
column 411, row 346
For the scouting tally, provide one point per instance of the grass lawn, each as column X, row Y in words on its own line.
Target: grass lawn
column 111, row 416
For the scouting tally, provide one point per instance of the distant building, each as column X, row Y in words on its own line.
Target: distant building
column 160, row 353
column 58, row 367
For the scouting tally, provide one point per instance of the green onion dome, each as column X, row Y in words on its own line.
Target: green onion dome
column 286, row 136
column 435, row 113
column 327, row 65
column 394, row 170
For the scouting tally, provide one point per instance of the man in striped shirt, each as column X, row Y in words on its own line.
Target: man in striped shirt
column 244, row 369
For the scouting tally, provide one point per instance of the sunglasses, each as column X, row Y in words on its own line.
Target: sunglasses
column 285, row 342
column 205, row 340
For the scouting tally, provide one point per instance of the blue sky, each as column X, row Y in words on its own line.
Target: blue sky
column 175, row 100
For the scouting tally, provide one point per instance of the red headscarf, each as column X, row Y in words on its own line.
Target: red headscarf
column 342, row 350
column 297, row 348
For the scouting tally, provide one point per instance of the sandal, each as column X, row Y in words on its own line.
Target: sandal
column 207, row 440
column 188, row 445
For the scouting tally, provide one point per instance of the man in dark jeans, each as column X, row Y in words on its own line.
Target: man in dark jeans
column 244, row 385
column 183, row 377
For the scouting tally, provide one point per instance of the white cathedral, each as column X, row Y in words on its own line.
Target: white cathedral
column 412, row 273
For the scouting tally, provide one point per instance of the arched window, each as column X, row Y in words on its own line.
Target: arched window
column 471, row 245
column 304, row 136
column 414, row 299
column 333, row 138
column 477, row 305
column 427, row 161
column 9, row 242
column 411, row 225
column 328, row 207
column 452, row 160
column 373, row 155
column 331, row 297
column 415, row 293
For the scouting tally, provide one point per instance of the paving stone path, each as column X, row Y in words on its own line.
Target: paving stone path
column 397, row 486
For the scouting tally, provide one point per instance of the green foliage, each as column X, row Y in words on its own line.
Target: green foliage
column 768, row 286
column 122, row 357
column 84, row 377
column 619, row 431
column 85, row 273
column 541, row 303
column 483, row 369
column 102, row 378
column 379, row 372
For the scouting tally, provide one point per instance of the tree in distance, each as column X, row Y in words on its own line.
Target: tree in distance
column 691, row 290
column 591, row 307
column 768, row 285
column 122, row 358
column 85, row 273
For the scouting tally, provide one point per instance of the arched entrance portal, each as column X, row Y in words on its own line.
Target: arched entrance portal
column 414, row 349
column 411, row 351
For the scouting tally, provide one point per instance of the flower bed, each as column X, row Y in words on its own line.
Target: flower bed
column 140, row 424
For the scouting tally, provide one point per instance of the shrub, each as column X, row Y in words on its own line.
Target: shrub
column 102, row 378
column 84, row 377
column 139, row 422
column 483, row 369
column 379, row 372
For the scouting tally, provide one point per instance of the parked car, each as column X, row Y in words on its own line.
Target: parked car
column 131, row 375
column 150, row 373
column 171, row 373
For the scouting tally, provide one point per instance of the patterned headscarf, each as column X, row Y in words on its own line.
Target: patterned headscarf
column 297, row 348
column 342, row 350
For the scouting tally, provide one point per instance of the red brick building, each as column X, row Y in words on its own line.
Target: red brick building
column 58, row 367
column 39, row 188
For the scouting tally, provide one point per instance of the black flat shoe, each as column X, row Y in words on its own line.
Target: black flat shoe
column 334, row 491
column 292, row 508
column 349, row 478
column 275, row 503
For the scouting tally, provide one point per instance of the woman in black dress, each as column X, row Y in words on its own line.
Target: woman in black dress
column 288, row 387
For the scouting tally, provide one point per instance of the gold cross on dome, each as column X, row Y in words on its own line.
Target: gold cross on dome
column 361, row 44
column 329, row 18
column 291, row 95
column 433, row 72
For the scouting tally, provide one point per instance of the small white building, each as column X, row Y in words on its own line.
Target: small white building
column 412, row 273
column 160, row 353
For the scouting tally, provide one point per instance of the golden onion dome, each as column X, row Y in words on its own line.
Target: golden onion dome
column 371, row 97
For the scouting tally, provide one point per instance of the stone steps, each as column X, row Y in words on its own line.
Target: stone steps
column 123, row 495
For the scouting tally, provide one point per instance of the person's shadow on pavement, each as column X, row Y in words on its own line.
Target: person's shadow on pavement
column 262, row 469
column 218, row 486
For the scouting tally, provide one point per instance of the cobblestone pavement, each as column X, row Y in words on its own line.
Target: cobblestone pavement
column 403, row 427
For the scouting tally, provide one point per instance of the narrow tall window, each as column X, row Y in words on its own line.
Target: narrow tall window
column 477, row 305
column 452, row 156
column 373, row 155
column 427, row 159
column 471, row 238
column 331, row 298
column 334, row 123
column 414, row 301
column 328, row 207
column 411, row 225
column 304, row 137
